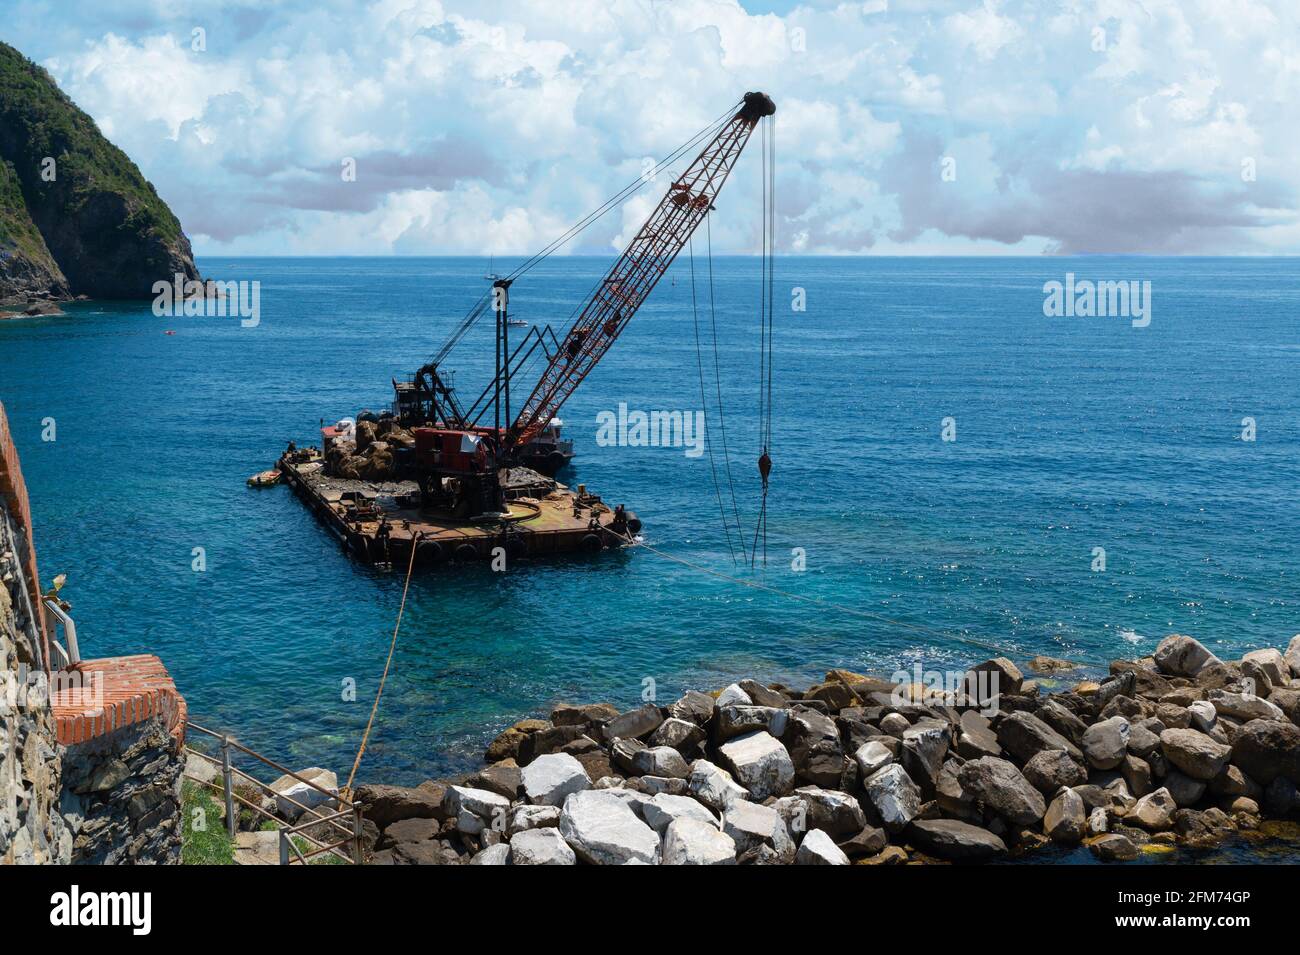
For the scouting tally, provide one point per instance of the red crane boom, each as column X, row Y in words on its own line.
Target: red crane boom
column 631, row 279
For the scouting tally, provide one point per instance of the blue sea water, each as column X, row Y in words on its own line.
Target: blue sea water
column 1071, row 434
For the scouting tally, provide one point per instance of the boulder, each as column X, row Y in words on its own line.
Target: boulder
column 813, row 741
column 506, row 744
column 1178, row 655
column 545, row 846
column 503, row 778
column 1185, row 790
column 1137, row 775
column 474, row 809
column 681, row 735
column 602, row 829
column 976, row 737
column 868, row 842
column 548, row 780
column 1272, row 662
column 292, row 796
column 733, row 694
column 1243, row 706
column 753, row 826
column 671, row 786
column 1202, row 714
column 498, row 854
column 896, row 798
column 550, row 739
column 662, row 809
column 1292, row 656
column 590, row 714
column 818, row 848
column 737, row 719
column 894, row 724
column 987, row 681
column 714, row 786
column 660, row 761
column 760, row 763
column 1105, row 743
column 1196, row 754
column 634, row 723
column 1142, row 741
column 763, row 695
column 524, row 818
column 694, row 707
column 948, row 792
column 1062, row 719
column 384, row 805
column 871, row 756
column 1232, row 782
column 924, row 748
column 622, row 753
column 1154, row 811
column 1024, row 735
column 836, row 695
column 692, row 842
column 1065, row 819
column 409, row 830
column 1051, row 769
column 1045, row 664
column 1266, row 749
column 837, row 813
column 1003, row 789
column 955, row 840
column 1113, row 847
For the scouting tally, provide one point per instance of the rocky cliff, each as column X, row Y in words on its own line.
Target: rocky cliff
column 76, row 215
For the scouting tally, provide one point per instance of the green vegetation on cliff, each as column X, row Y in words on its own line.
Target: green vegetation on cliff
column 101, row 221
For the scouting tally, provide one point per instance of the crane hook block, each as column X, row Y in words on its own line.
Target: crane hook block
column 757, row 105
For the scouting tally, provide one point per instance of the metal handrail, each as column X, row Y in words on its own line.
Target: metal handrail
column 72, row 655
column 312, row 816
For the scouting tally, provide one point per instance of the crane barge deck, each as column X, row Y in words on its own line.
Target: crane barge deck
column 378, row 522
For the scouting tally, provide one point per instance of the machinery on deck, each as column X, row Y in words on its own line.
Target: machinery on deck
column 458, row 458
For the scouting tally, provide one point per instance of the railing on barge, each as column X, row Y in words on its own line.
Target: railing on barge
column 313, row 818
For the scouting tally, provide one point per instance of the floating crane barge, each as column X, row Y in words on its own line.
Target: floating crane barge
column 430, row 480
column 378, row 522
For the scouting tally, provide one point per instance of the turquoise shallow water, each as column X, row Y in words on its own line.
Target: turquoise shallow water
column 1072, row 434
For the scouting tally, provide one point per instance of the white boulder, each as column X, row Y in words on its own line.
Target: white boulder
column 548, row 780
column 760, row 763
column 689, row 841
column 603, row 830
column 541, row 847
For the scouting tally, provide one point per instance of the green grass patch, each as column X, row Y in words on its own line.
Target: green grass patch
column 203, row 833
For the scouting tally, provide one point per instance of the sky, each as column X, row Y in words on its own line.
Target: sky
column 903, row 127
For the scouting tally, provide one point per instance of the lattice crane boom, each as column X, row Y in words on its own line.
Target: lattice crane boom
column 630, row 280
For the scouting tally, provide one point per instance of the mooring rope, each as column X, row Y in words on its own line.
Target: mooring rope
column 370, row 723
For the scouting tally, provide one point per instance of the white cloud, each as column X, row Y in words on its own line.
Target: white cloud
column 489, row 126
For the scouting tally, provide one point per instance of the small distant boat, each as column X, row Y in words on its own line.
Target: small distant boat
column 517, row 323
column 265, row 478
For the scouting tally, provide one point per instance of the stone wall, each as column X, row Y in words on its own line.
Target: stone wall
column 31, row 828
column 122, row 795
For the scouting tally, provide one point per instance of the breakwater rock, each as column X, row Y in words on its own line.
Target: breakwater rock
column 1177, row 749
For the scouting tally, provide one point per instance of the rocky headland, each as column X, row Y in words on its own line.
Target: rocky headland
column 77, row 218
column 1180, row 749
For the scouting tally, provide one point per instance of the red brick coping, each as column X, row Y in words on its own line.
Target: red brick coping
column 125, row 690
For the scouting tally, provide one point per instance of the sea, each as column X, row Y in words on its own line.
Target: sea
column 958, row 470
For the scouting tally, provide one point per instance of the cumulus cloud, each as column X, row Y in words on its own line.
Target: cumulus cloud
column 902, row 126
